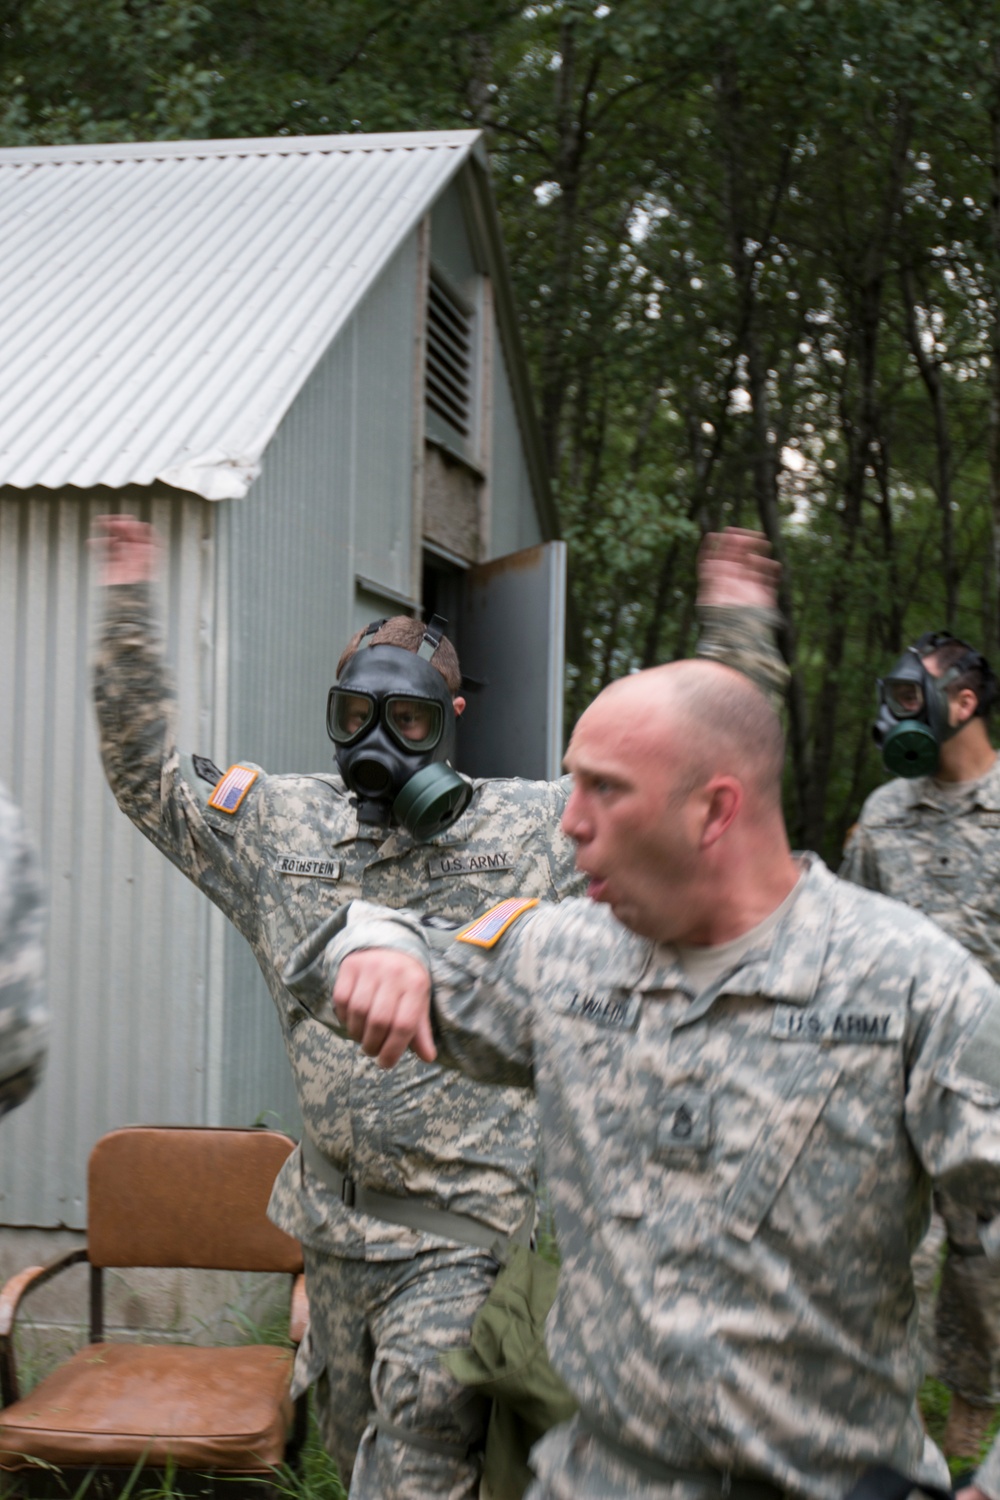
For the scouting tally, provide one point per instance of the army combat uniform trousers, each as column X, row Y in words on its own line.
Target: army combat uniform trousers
column 383, row 1392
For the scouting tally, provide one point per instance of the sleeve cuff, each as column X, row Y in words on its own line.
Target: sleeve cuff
column 311, row 970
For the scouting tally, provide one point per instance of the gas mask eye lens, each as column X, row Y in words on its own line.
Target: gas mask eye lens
column 415, row 723
column 904, row 697
column 348, row 715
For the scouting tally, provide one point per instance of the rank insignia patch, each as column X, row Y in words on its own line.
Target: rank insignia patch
column 206, row 769
column 232, row 789
column 488, row 929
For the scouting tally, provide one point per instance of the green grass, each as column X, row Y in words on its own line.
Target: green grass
column 935, row 1399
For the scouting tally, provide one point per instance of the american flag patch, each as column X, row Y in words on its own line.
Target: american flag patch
column 233, row 787
column 491, row 926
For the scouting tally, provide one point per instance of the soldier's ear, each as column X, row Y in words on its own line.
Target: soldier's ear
column 458, row 704
column 723, row 798
column 966, row 703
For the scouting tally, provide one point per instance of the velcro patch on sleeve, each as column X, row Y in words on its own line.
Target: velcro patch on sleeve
column 487, row 930
column 206, row 769
column 233, row 787
column 979, row 1058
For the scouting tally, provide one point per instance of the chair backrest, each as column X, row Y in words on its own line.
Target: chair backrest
column 175, row 1196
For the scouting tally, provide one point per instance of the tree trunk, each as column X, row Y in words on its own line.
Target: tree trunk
column 572, row 113
column 994, row 427
column 930, row 373
column 861, row 430
column 764, row 465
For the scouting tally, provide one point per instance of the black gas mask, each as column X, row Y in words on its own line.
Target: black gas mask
column 393, row 722
column 912, row 720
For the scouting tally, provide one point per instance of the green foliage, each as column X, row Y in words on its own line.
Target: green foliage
column 113, row 69
column 935, row 1400
column 757, row 253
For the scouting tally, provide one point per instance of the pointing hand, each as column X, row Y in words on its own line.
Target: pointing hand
column 383, row 1001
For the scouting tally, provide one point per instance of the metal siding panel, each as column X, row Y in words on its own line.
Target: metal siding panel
column 126, row 937
column 451, row 247
column 290, row 554
column 386, row 329
column 163, row 308
column 514, row 518
column 292, row 567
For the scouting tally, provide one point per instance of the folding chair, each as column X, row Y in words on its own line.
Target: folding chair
column 163, row 1196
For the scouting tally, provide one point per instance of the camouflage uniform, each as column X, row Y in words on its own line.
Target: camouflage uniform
column 24, row 1022
column 383, row 1299
column 938, row 850
column 739, row 1177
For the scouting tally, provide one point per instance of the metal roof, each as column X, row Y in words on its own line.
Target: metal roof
column 163, row 303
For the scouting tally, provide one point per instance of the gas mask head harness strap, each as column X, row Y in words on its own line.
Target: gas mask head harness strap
column 392, row 720
column 912, row 722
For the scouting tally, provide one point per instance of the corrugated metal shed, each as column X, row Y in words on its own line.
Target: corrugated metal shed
column 172, row 313
column 163, row 304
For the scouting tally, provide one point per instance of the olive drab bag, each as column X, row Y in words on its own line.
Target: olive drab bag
column 508, row 1361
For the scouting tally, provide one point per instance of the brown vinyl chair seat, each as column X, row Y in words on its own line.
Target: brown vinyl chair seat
column 122, row 1404
column 169, row 1197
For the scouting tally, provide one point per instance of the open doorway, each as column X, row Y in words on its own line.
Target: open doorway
column 506, row 620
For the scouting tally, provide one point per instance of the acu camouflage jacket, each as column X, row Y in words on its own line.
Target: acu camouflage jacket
column 937, row 852
column 292, row 851
column 739, row 1177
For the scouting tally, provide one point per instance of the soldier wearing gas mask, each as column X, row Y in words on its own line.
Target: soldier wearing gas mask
column 392, row 719
column 938, row 689
column 407, row 1189
column 931, row 838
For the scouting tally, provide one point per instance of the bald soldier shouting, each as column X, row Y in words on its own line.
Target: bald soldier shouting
column 749, row 1075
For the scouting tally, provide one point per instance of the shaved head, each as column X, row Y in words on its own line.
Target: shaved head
column 676, row 802
column 718, row 722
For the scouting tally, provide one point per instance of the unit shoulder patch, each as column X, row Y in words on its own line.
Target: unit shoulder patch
column 232, row 789
column 979, row 1059
column 206, row 769
column 487, row 930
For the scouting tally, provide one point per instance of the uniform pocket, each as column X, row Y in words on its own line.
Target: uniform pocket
column 779, row 1143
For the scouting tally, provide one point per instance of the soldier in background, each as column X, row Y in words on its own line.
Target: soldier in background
column 931, row 838
column 749, row 1075
column 24, row 1020
column 405, row 1191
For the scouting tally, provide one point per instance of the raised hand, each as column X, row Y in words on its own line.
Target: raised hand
column 735, row 567
column 128, row 550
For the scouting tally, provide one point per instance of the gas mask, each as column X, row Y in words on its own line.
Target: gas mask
column 912, row 720
column 393, row 722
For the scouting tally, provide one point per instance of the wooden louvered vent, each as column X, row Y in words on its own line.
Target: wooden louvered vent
column 449, row 359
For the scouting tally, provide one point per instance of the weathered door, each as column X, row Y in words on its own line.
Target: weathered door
column 511, row 634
